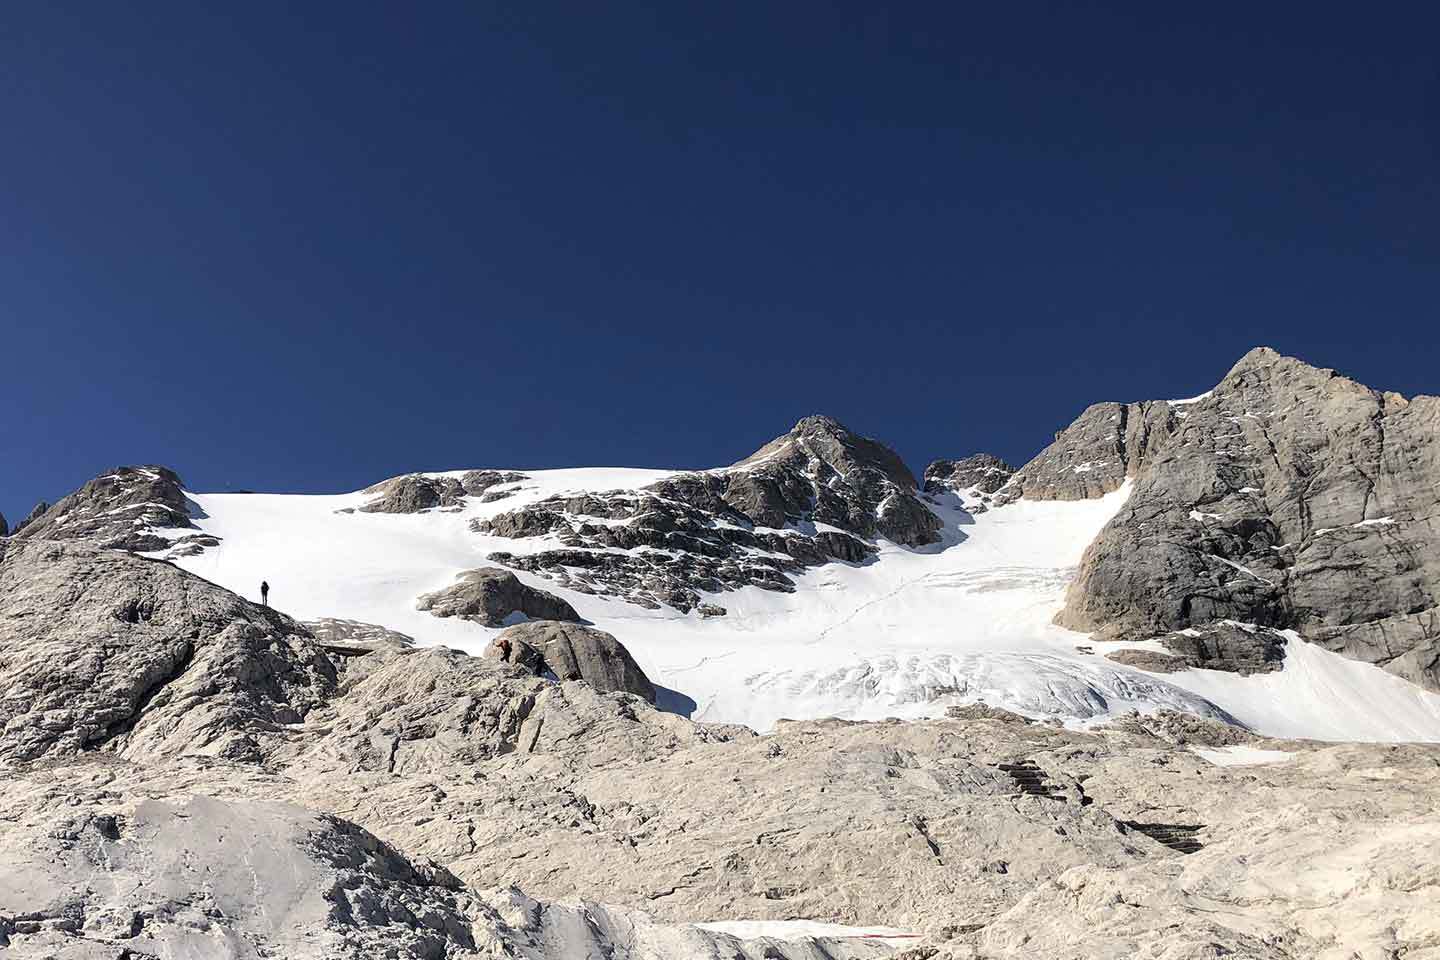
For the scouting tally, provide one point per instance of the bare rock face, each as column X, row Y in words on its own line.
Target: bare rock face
column 1228, row 646
column 117, row 510
column 217, row 879
column 1287, row 497
column 751, row 524
column 105, row 650
column 35, row 513
column 418, row 492
column 981, row 472
column 480, row 483
column 1091, row 457
column 414, row 493
column 572, row 652
column 1224, row 645
column 489, row 595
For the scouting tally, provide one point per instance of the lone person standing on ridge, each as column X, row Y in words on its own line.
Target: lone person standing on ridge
column 264, row 593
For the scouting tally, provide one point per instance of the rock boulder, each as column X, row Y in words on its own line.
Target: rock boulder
column 572, row 652
column 490, row 595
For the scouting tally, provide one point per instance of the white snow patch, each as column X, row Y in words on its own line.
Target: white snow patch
column 1187, row 402
column 1375, row 522
column 806, row 930
column 1240, row 755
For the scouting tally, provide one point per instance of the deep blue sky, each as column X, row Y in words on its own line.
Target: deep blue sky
column 305, row 247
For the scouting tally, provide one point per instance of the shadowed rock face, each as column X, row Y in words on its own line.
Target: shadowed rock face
column 489, row 595
column 1215, row 646
column 35, row 513
column 115, row 510
column 982, row 472
column 751, row 524
column 572, row 652
column 1289, row 497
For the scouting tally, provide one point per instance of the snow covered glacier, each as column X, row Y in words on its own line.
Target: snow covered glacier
column 905, row 634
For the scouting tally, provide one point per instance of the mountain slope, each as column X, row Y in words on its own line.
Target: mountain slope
column 813, row 578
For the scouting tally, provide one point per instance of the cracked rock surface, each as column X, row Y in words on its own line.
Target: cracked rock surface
column 1287, row 497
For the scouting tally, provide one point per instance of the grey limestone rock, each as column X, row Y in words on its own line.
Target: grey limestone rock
column 105, row 650
column 489, row 595
column 478, row 483
column 572, row 652
column 210, row 878
column 419, row 492
column 119, row 510
column 35, row 513
column 1222, row 645
column 818, row 494
column 1287, row 497
column 981, row 472
column 413, row 493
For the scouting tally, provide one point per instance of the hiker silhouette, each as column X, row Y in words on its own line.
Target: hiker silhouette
column 264, row 593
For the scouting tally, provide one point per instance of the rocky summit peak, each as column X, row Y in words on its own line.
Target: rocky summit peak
column 118, row 509
column 819, row 441
column 820, row 423
column 1257, row 357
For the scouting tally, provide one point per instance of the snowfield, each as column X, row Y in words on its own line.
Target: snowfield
column 904, row 635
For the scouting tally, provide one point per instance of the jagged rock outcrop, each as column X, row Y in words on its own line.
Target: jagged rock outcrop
column 484, row 483
column 751, row 524
column 571, row 651
column 116, row 510
column 222, row 879
column 981, row 472
column 413, row 493
column 1287, row 497
column 35, row 513
column 1224, row 645
column 105, row 650
column 1091, row 457
column 490, row 595
column 349, row 637
column 419, row 492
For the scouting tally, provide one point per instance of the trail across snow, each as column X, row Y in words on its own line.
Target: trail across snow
column 904, row 635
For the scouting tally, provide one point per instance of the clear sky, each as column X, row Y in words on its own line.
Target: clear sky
column 306, row 246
